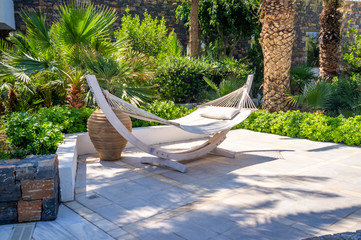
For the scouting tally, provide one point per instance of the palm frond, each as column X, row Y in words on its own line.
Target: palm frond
column 5, row 46
column 82, row 23
column 37, row 29
column 28, row 64
column 21, row 43
column 211, row 83
column 7, row 71
column 136, row 95
column 6, row 86
column 316, row 95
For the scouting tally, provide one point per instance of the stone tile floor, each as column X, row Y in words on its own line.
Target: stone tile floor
column 276, row 188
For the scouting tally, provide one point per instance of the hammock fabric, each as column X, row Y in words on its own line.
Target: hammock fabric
column 196, row 122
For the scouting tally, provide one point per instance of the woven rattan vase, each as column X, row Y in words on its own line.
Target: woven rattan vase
column 106, row 140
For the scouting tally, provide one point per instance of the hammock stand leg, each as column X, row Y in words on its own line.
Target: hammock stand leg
column 164, row 163
column 223, row 152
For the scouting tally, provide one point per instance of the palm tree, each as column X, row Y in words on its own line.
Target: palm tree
column 330, row 36
column 82, row 27
column 59, row 49
column 277, row 39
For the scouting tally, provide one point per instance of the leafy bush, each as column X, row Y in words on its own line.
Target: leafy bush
column 3, row 146
column 25, row 132
column 40, row 133
column 351, row 51
column 164, row 109
column 313, row 126
column 148, row 36
column 180, row 79
column 71, row 120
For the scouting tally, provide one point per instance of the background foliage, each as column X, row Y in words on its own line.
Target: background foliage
column 180, row 79
column 223, row 23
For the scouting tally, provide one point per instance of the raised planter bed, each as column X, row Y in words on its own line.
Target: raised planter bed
column 29, row 189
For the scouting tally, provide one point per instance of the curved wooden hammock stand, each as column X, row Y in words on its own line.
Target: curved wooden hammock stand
column 164, row 157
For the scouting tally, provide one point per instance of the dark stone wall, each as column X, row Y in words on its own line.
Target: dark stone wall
column 306, row 20
column 29, row 189
column 156, row 8
column 49, row 8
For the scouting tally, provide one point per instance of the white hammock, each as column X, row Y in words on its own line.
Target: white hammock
column 196, row 122
column 201, row 121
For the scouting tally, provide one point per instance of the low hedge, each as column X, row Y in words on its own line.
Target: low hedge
column 313, row 126
column 41, row 132
column 180, row 79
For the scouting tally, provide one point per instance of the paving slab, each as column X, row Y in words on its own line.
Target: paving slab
column 68, row 225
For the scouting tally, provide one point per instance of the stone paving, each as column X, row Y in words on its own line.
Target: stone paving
column 276, row 188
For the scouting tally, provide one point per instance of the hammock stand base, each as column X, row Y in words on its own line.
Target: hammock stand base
column 177, row 165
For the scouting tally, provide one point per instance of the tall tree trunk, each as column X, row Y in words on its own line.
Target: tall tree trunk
column 193, row 31
column 330, row 36
column 277, row 39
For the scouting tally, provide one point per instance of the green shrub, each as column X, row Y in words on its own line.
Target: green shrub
column 41, row 132
column 180, row 79
column 148, row 36
column 313, row 126
column 164, row 109
column 31, row 136
column 351, row 51
column 71, row 120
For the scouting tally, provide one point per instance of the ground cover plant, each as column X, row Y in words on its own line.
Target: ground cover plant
column 313, row 126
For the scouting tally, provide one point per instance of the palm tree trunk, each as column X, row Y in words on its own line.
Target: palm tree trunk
column 277, row 39
column 12, row 100
column 330, row 36
column 74, row 99
column 193, row 31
